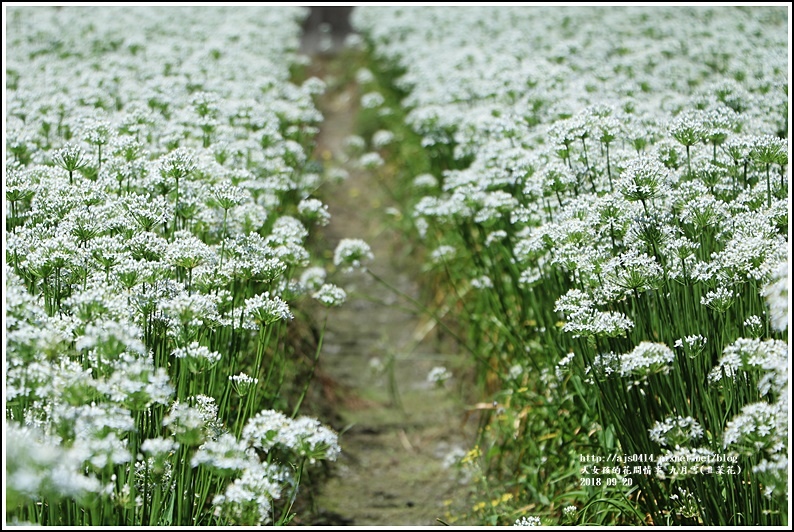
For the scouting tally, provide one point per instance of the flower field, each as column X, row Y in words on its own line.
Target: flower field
column 599, row 198
column 606, row 201
column 159, row 202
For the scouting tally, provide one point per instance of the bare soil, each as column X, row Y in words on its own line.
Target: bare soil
column 395, row 427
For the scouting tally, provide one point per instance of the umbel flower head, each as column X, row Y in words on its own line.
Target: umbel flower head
column 248, row 500
column 330, row 295
column 761, row 427
column 177, row 164
column 264, row 310
column 350, row 252
column 70, row 157
column 313, row 210
column 643, row 179
column 197, row 357
column 530, row 520
column 438, row 376
column 646, row 359
column 243, row 383
column 304, row 436
column 676, row 431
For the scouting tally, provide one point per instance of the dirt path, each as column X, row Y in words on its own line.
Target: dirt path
column 378, row 351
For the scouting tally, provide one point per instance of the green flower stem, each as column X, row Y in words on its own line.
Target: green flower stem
column 286, row 516
column 310, row 378
column 426, row 311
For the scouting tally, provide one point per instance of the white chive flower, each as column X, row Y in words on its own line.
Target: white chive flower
column 352, row 252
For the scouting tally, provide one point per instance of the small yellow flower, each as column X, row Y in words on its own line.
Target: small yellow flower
column 471, row 455
column 503, row 499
